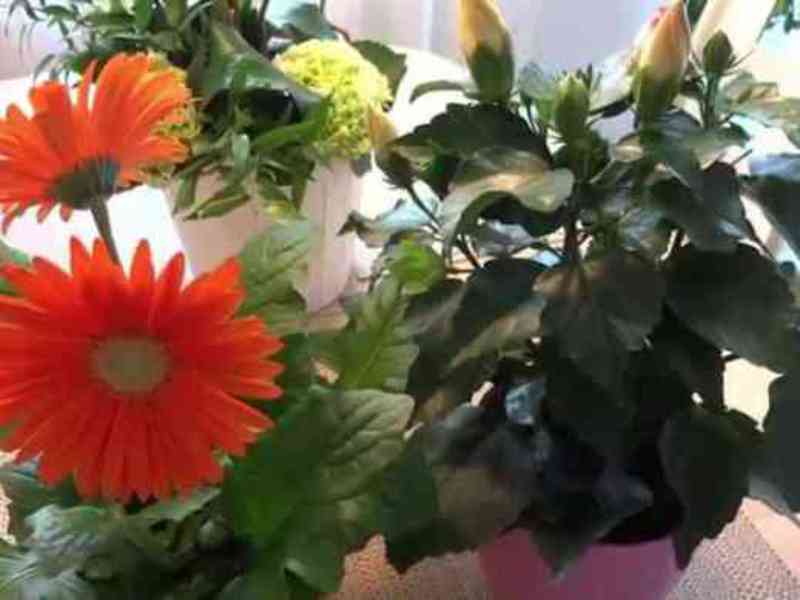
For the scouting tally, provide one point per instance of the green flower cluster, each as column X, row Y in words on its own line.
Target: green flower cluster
column 336, row 70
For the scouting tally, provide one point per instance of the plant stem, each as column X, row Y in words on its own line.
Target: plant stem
column 102, row 221
column 422, row 206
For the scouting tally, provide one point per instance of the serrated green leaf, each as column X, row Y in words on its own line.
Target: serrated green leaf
column 707, row 463
column 463, row 131
column 602, row 309
column 463, row 328
column 299, row 494
column 415, row 266
column 271, row 263
column 375, row 350
column 713, row 217
column 738, row 302
column 774, row 183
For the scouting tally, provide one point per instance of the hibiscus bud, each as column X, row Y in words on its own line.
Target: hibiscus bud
column 381, row 129
column 382, row 133
column 718, row 55
column 662, row 63
column 572, row 107
column 486, row 44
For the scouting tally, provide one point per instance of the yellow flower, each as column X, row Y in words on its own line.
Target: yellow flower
column 336, row 70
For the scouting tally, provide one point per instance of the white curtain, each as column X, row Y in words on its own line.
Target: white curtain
column 560, row 34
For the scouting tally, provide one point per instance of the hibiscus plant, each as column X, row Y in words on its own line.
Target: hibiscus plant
column 578, row 297
column 543, row 343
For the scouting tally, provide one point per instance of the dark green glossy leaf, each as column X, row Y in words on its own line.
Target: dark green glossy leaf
column 713, row 217
column 707, row 463
column 602, row 309
column 465, row 130
column 775, row 184
column 301, row 17
column 479, row 496
column 234, row 63
column 738, row 302
column 392, row 64
column 462, row 329
column 493, row 175
column 697, row 363
column 143, row 11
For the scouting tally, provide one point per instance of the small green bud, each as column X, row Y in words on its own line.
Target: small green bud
column 718, row 55
column 486, row 44
column 572, row 107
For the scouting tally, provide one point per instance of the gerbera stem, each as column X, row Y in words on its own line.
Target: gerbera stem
column 102, row 221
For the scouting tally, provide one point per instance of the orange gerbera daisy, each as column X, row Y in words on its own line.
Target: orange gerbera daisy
column 77, row 154
column 128, row 382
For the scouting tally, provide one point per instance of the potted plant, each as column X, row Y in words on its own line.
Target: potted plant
column 278, row 125
column 579, row 299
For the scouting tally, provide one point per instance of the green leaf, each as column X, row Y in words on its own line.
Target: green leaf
column 776, row 475
column 271, row 263
column 774, row 183
column 707, row 463
column 464, row 328
column 392, row 64
column 697, row 363
column 418, row 268
column 302, row 18
column 143, row 11
column 479, row 496
column 762, row 102
column 496, row 174
column 375, row 350
column 176, row 510
column 463, row 131
column 377, row 232
column 713, row 217
column 234, row 63
column 9, row 255
column 432, row 87
column 299, row 494
column 736, row 301
column 301, row 133
column 28, row 494
column 602, row 309
column 23, row 576
column 591, row 516
column 681, row 145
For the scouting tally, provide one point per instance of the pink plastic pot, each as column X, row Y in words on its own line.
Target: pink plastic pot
column 514, row 571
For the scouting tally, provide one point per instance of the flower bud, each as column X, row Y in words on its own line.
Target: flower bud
column 486, row 44
column 381, row 129
column 572, row 107
column 662, row 63
column 382, row 133
column 718, row 55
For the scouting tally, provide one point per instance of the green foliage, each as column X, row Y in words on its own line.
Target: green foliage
column 738, row 302
column 271, row 264
column 774, row 183
column 304, row 497
column 375, row 350
column 602, row 309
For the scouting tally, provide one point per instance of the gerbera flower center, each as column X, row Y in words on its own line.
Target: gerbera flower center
column 131, row 365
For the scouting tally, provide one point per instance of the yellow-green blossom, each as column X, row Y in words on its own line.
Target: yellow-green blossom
column 336, row 70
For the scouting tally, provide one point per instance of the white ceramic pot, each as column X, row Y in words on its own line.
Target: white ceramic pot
column 334, row 193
